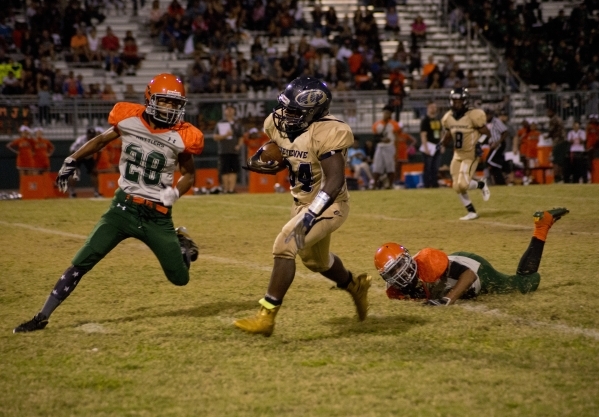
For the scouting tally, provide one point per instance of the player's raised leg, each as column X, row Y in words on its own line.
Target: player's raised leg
column 531, row 259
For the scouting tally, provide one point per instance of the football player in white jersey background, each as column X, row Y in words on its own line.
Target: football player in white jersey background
column 314, row 145
column 154, row 141
column 465, row 126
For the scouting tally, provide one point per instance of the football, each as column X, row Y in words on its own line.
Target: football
column 271, row 152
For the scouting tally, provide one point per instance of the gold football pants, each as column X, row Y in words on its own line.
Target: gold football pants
column 315, row 255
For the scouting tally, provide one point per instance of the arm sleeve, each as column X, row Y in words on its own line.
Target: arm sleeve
column 123, row 110
column 332, row 136
column 193, row 138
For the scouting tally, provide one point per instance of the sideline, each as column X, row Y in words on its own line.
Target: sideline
column 481, row 309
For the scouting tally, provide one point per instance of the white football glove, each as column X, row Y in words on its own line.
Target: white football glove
column 68, row 170
column 169, row 195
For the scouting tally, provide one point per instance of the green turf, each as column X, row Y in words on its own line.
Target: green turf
column 128, row 343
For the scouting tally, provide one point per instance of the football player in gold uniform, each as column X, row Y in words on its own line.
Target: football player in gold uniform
column 465, row 126
column 314, row 146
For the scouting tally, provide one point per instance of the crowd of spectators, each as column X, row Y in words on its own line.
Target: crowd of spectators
column 31, row 41
column 563, row 49
column 345, row 52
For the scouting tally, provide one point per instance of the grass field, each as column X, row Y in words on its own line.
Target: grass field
column 128, row 343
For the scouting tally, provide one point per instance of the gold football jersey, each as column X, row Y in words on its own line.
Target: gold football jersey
column 464, row 131
column 322, row 138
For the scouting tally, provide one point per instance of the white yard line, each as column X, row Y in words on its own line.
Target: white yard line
column 563, row 328
column 481, row 309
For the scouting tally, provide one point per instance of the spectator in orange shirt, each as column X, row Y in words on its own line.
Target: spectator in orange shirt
column 80, row 46
column 355, row 61
column 528, row 149
column 520, row 145
column 253, row 140
column 404, row 146
column 23, row 147
column 593, row 138
column 532, row 139
column 42, row 150
column 103, row 158
column 114, row 151
column 429, row 67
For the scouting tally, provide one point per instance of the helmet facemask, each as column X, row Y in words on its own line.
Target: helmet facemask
column 400, row 271
column 164, row 114
column 304, row 101
column 290, row 119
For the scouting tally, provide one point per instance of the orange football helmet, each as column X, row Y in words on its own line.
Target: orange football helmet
column 395, row 264
column 165, row 99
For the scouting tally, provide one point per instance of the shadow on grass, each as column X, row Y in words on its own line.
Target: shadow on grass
column 386, row 325
column 205, row 310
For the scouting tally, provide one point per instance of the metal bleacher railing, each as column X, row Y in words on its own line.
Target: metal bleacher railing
column 69, row 118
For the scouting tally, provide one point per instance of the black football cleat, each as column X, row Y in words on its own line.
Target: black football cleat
column 38, row 322
column 187, row 243
column 550, row 216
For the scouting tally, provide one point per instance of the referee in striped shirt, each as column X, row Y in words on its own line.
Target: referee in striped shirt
column 496, row 158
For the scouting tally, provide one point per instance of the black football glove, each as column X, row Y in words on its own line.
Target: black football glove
column 438, row 302
column 68, row 170
column 256, row 165
column 301, row 229
column 478, row 150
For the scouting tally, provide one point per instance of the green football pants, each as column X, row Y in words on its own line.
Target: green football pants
column 493, row 281
column 125, row 219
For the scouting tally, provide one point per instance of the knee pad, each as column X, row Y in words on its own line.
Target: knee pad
column 315, row 266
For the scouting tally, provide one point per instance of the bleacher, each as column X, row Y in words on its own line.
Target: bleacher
column 440, row 43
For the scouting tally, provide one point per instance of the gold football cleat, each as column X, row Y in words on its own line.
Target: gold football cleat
column 358, row 289
column 262, row 323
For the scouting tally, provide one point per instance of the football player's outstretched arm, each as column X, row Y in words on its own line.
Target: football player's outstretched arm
column 96, row 144
column 465, row 280
column 69, row 166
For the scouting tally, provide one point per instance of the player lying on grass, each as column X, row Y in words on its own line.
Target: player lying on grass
column 155, row 140
column 439, row 279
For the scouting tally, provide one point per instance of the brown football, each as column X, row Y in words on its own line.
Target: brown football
column 271, row 152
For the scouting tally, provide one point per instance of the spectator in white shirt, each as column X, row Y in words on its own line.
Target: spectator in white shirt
column 321, row 44
column 578, row 160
